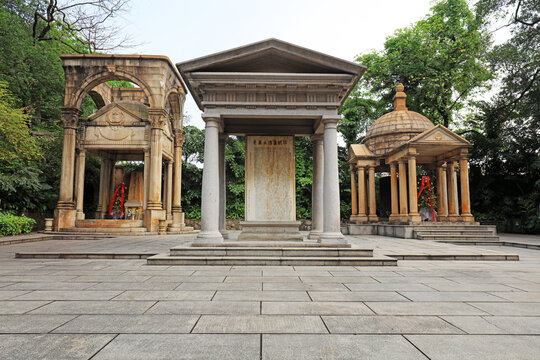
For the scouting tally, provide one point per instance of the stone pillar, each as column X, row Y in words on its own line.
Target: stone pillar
column 317, row 197
column 414, row 216
column 169, row 189
column 100, row 194
column 146, row 177
column 81, row 159
column 452, row 192
column 441, row 206
column 177, row 214
column 465, row 197
column 332, row 225
column 354, row 196
column 154, row 207
column 210, row 185
column 222, row 188
column 362, row 209
column 444, row 186
column 394, row 216
column 372, row 195
column 403, row 207
column 107, row 177
column 65, row 212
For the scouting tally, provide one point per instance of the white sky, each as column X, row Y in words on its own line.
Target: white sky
column 183, row 30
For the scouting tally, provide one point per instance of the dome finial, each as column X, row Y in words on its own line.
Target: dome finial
column 400, row 99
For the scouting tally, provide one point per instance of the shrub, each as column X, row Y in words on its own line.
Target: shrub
column 12, row 225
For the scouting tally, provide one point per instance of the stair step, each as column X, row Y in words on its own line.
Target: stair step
column 163, row 259
column 108, row 223
column 123, row 230
column 270, row 252
column 454, row 232
column 458, row 237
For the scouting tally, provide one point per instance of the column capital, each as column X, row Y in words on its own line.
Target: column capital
column 317, row 138
column 70, row 117
column 393, row 164
column 178, row 137
column 157, row 117
column 464, row 154
column 329, row 120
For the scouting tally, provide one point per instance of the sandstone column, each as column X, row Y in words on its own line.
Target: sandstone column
column 414, row 217
column 444, row 186
column 65, row 213
column 465, row 197
column 394, row 193
column 372, row 195
column 222, row 188
column 403, row 207
column 317, row 201
column 154, row 208
column 109, row 165
column 452, row 189
column 332, row 226
column 362, row 209
column 169, row 189
column 81, row 159
column 441, row 211
column 99, row 212
column 146, row 177
column 210, row 185
column 177, row 214
column 354, row 196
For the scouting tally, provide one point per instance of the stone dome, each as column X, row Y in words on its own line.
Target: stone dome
column 397, row 127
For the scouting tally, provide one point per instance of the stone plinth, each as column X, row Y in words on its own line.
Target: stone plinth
column 270, row 230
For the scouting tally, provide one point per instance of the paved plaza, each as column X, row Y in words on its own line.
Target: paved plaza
column 126, row 309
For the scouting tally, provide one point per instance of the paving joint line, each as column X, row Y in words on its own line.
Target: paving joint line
column 449, row 323
column 151, row 306
column 26, row 312
column 194, row 325
column 416, row 347
column 59, row 326
column 108, row 342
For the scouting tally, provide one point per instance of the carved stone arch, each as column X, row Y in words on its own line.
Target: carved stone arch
column 96, row 79
column 175, row 99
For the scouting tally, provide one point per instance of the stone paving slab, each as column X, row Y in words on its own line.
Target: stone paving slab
column 356, row 296
column 147, row 286
column 68, row 295
column 517, row 309
column 49, row 286
column 219, row 286
column 496, row 324
column 19, row 307
column 519, row 296
column 338, row 347
column 460, row 296
column 94, row 307
column 9, row 294
column 205, row 307
column 182, row 346
column 424, row 308
column 388, row 325
column 51, row 346
column 13, row 324
column 165, row 295
column 472, row 347
column 304, row 286
column 316, row 308
column 262, row 296
column 388, row 287
column 257, row 324
column 126, row 324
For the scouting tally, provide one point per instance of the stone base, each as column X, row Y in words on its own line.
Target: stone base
column 152, row 218
column 466, row 218
column 208, row 238
column 332, row 238
column 177, row 225
column 314, row 235
column 270, row 231
column 64, row 218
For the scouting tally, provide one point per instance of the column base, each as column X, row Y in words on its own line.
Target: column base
column 332, row 238
column 359, row 219
column 208, row 238
column 151, row 219
column 453, row 217
column 373, row 218
column 154, row 205
column 394, row 218
column 415, row 218
column 80, row 215
column 224, row 233
column 442, row 218
column 270, row 231
column 404, row 218
column 64, row 218
column 314, row 234
column 466, row 218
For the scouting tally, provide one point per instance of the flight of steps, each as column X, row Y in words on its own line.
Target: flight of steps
column 107, row 227
column 459, row 234
column 277, row 253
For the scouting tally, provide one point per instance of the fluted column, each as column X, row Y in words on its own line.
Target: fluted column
column 465, row 196
column 372, row 195
column 317, row 201
column 222, row 188
column 332, row 226
column 79, row 188
column 414, row 216
column 210, row 185
column 362, row 201
column 403, row 207
column 394, row 193
column 452, row 192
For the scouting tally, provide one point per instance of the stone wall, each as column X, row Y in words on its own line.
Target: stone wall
column 234, row 224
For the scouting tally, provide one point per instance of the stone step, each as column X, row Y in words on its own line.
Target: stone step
column 458, row 237
column 123, row 230
column 454, row 232
column 455, row 227
column 275, row 244
column 81, row 255
column 164, row 259
column 473, row 242
column 281, row 252
column 108, row 223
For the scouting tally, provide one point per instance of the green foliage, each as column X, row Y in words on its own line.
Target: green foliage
column 304, row 177
column 14, row 225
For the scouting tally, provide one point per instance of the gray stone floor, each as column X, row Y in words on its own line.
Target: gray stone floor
column 125, row 309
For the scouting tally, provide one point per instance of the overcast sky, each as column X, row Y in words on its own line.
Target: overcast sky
column 183, row 30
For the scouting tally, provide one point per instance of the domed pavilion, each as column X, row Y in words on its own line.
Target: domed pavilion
column 397, row 143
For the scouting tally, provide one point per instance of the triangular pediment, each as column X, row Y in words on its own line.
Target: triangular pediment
column 271, row 56
column 115, row 115
column 439, row 135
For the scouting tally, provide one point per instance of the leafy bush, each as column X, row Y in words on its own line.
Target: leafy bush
column 12, row 225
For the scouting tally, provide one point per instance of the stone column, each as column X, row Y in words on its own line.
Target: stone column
column 403, row 207
column 222, row 188
column 146, row 177
column 465, row 197
column 100, row 194
column 362, row 209
column 177, row 214
column 452, row 192
column 444, row 185
column 107, row 176
column 154, row 208
column 65, row 213
column 317, row 197
column 441, row 211
column 372, row 195
column 414, row 216
column 394, row 216
column 81, row 159
column 354, row 196
column 169, row 189
column 210, row 185
column 332, row 226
